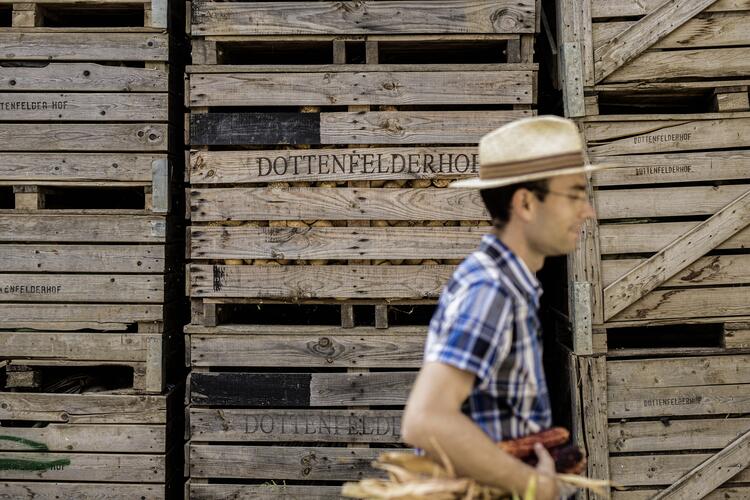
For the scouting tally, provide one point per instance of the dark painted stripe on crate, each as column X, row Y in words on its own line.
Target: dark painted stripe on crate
column 230, row 129
column 250, row 389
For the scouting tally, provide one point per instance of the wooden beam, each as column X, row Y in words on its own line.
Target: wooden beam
column 676, row 256
column 712, row 473
column 653, row 27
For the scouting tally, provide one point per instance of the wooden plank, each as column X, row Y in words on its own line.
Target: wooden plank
column 592, row 370
column 83, row 107
column 82, row 258
column 644, row 136
column 688, row 302
column 362, row 88
column 723, row 493
column 84, row 46
column 713, row 270
column 96, row 467
column 224, row 167
column 88, row 438
column 374, row 127
column 82, row 228
column 657, row 24
column 76, row 346
column 737, row 335
column 677, row 255
column 369, row 67
column 572, row 64
column 398, row 347
column 34, row 490
column 675, row 435
column 82, row 287
column 77, row 316
column 299, row 389
column 668, row 168
column 625, row 402
column 648, row 470
column 412, row 17
column 333, row 243
column 218, row 204
column 83, row 137
column 678, row 372
column 652, row 237
column 90, row 77
column 300, row 282
column 84, row 408
column 581, row 317
column 275, row 462
column 333, row 426
column 76, row 167
column 265, row 491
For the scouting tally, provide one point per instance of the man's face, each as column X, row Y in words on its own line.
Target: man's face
column 556, row 224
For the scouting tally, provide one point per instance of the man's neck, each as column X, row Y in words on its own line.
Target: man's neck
column 520, row 246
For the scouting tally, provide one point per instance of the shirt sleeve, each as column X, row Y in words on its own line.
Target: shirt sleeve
column 476, row 331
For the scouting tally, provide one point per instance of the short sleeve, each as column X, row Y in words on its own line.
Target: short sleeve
column 475, row 333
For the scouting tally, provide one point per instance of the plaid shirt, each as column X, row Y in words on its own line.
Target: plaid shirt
column 486, row 323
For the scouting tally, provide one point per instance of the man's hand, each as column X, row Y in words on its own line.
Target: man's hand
column 546, row 469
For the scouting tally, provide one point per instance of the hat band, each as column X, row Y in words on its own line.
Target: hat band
column 536, row 165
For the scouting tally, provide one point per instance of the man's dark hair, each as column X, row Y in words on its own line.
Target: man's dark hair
column 497, row 200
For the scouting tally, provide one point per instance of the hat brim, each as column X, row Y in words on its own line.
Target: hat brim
column 477, row 183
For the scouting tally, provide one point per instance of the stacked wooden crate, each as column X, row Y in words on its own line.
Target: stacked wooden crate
column 660, row 284
column 323, row 136
column 87, row 260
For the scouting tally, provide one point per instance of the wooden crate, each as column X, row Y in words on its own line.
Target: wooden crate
column 648, row 423
column 88, row 14
column 85, row 446
column 652, row 54
column 669, row 246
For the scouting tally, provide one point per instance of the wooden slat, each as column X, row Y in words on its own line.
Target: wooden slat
column 300, row 282
column 82, row 288
column 91, row 77
column 82, row 258
column 713, row 270
column 75, row 167
column 274, row 462
column 218, row 204
column 657, row 24
column 723, row 493
column 84, row 408
column 333, row 243
column 412, row 17
column 615, row 8
column 83, row 137
column 77, row 316
column 650, row 470
column 76, row 346
column 83, row 107
column 658, row 169
column 369, row 67
column 95, row 467
column 82, row 228
column 652, row 237
column 397, row 347
column 374, row 127
column 688, row 302
column 35, row 490
column 300, row 389
column 688, row 435
column 624, row 402
column 332, row 426
column 266, row 491
column 363, row 88
column 678, row 372
column 84, row 46
column 223, row 167
column 91, row 438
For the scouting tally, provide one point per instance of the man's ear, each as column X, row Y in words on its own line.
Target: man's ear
column 522, row 204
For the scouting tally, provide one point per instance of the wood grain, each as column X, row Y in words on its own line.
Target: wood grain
column 82, row 228
column 94, row 107
column 87, row 77
column 82, row 258
column 84, row 46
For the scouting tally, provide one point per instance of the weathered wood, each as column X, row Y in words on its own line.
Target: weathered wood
column 624, row 402
column 675, row 435
column 688, row 302
column 89, row 438
column 652, row 237
column 83, row 107
column 95, row 467
column 615, row 8
column 731, row 101
column 677, row 255
column 77, row 316
column 737, row 335
column 76, row 346
column 581, row 318
column 82, row 228
column 572, row 64
column 219, row 204
column 84, row 46
column 266, row 491
column 723, row 493
column 333, row 243
column 369, row 67
column 333, row 426
column 299, row 389
column 635, row 39
column 711, row 270
column 678, row 372
column 398, row 347
column 300, row 282
column 647, row 470
column 77, row 137
column 224, row 167
column 362, row 88
column 593, row 372
column 262, row 462
column 82, row 287
column 82, row 258
column 36, row 490
column 412, row 17
column 76, row 168
column 375, row 127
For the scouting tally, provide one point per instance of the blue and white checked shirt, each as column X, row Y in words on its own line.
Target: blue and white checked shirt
column 486, row 323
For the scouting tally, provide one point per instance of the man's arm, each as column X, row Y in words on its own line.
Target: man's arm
column 433, row 411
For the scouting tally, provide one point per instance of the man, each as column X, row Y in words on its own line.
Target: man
column 482, row 380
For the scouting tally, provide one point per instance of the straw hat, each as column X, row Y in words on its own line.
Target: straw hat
column 526, row 150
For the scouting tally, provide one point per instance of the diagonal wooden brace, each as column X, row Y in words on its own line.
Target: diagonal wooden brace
column 676, row 256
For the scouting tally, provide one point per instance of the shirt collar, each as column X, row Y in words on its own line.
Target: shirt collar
column 516, row 268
